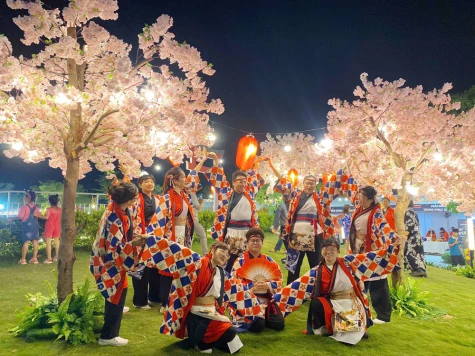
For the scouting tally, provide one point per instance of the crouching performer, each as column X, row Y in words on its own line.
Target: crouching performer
column 264, row 277
column 339, row 305
column 200, row 292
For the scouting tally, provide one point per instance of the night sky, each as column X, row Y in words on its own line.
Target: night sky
column 278, row 62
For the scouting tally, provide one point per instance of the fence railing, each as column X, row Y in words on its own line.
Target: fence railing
column 12, row 200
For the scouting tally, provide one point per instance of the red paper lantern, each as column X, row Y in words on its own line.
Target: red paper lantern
column 293, row 176
column 246, row 152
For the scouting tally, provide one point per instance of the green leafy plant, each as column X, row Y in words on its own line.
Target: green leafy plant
column 75, row 320
column 466, row 271
column 87, row 224
column 269, row 202
column 266, row 219
column 35, row 315
column 446, row 258
column 408, row 299
column 78, row 316
column 10, row 244
column 206, row 218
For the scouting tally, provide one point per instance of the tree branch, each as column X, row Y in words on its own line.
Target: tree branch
column 90, row 137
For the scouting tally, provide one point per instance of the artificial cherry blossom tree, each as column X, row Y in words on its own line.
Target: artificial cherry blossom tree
column 300, row 152
column 395, row 137
column 456, row 173
column 82, row 101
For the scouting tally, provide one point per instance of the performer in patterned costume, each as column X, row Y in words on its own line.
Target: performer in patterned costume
column 369, row 231
column 308, row 223
column 339, row 306
column 200, row 292
column 114, row 253
column 237, row 210
column 264, row 290
column 146, row 281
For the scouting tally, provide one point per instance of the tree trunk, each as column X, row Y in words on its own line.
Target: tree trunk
column 68, row 230
column 403, row 199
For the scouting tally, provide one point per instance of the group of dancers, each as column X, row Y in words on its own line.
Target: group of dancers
column 149, row 237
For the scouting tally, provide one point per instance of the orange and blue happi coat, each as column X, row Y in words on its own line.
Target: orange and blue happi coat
column 184, row 265
column 293, row 195
column 218, row 180
column 361, row 266
column 379, row 231
column 162, row 222
column 112, row 255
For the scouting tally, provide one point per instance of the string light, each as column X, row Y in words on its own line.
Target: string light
column 149, row 95
column 287, row 148
column 157, row 167
column 438, row 156
column 412, row 189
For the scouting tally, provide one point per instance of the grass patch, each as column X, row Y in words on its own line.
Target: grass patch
column 449, row 335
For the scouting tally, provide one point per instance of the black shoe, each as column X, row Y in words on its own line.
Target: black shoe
column 418, row 273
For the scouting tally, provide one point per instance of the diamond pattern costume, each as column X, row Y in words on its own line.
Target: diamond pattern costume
column 112, row 253
column 184, row 265
column 218, row 180
column 357, row 268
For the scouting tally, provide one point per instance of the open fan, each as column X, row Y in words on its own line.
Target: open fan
column 259, row 270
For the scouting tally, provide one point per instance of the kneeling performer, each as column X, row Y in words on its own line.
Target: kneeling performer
column 339, row 305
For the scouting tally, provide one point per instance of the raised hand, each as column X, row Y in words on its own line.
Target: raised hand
column 124, row 169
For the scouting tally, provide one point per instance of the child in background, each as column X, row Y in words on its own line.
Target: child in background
column 29, row 214
column 52, row 228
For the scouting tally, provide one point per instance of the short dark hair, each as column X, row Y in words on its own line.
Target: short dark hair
column 122, row 192
column 346, row 209
column 441, row 229
column 239, row 173
column 369, row 192
column 331, row 241
column 455, row 230
column 145, row 177
column 310, row 176
column 411, row 204
column 53, row 199
column 254, row 231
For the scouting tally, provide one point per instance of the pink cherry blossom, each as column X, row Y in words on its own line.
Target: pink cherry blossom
column 81, row 101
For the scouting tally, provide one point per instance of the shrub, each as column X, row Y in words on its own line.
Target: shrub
column 78, row 316
column 10, row 237
column 466, row 271
column 35, row 315
column 206, row 218
column 266, row 219
column 76, row 319
column 446, row 258
column 409, row 299
column 10, row 245
column 87, row 224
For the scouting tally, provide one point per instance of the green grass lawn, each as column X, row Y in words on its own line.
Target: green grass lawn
column 453, row 334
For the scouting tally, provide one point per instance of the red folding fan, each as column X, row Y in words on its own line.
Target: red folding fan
column 259, row 270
